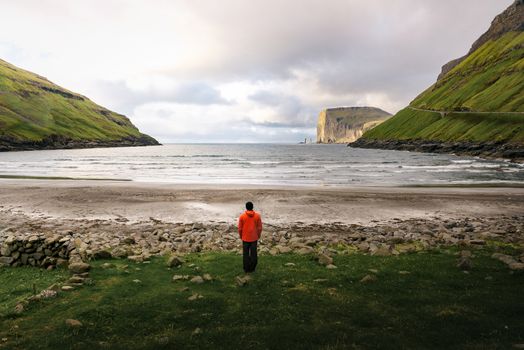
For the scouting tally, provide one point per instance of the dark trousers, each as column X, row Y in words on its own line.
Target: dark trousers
column 249, row 250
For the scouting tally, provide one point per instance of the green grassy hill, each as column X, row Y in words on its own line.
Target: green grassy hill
column 477, row 107
column 37, row 114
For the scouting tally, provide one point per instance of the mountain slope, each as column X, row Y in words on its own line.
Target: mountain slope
column 475, row 107
column 37, row 114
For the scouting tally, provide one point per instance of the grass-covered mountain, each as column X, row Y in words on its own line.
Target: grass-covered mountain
column 477, row 104
column 37, row 114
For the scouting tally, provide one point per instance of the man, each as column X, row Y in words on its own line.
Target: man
column 249, row 230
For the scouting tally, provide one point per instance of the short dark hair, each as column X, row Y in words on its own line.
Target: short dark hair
column 249, row 206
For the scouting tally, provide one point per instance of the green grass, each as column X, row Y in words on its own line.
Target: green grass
column 32, row 108
column 491, row 79
column 435, row 306
column 411, row 124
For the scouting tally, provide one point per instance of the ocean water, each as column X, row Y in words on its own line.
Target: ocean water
column 262, row 164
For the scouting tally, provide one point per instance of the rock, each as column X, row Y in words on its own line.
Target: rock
column 76, row 279
column 136, row 258
column 174, row 261
column 477, row 242
column 197, row 280
column 102, row 254
column 73, row 323
column 465, row 264
column 137, row 281
column 516, row 266
column 106, row 266
column 79, row 267
column 506, row 259
column 6, row 260
column 320, row 280
column 402, row 272
column 5, row 250
column 207, row 277
column 197, row 331
column 331, row 267
column 195, row 296
column 19, row 308
column 67, row 288
column 179, row 229
column 324, row 259
column 242, row 280
column 129, row 240
column 305, row 250
column 180, row 277
column 381, row 251
column 289, row 264
column 283, row 250
column 368, row 279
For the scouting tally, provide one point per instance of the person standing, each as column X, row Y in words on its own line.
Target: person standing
column 249, row 230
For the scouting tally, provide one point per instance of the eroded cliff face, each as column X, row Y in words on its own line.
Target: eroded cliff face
column 347, row 124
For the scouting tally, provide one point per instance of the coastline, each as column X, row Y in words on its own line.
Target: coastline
column 486, row 150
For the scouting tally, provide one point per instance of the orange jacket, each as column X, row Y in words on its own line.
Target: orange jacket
column 249, row 226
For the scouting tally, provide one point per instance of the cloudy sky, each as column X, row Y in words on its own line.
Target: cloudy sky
column 240, row 70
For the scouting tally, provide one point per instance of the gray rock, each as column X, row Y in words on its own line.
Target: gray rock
column 79, row 267
column 324, row 259
column 197, row 280
column 368, row 279
column 174, row 261
column 242, row 280
column 331, row 267
column 6, row 260
column 464, row 263
column 73, row 323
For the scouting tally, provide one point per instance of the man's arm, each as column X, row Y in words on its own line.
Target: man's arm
column 240, row 224
column 259, row 227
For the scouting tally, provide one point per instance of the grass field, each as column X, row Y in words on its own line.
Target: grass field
column 418, row 301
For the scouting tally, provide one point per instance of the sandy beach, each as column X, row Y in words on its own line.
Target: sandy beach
column 104, row 200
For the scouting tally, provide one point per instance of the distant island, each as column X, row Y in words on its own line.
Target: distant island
column 476, row 107
column 37, row 114
column 347, row 124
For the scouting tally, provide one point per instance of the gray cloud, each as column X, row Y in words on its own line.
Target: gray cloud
column 289, row 58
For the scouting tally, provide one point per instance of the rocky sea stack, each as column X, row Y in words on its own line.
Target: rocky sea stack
column 37, row 114
column 347, row 124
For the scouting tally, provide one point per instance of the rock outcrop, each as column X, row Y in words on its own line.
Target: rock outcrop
column 347, row 124
column 512, row 19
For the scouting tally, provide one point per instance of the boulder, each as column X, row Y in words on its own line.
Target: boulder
column 197, row 280
column 73, row 323
column 79, row 267
column 324, row 259
column 174, row 261
column 368, row 279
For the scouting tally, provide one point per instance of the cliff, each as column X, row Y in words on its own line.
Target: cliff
column 347, row 124
column 476, row 107
column 37, row 114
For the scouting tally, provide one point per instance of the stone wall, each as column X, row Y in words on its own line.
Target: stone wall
column 39, row 250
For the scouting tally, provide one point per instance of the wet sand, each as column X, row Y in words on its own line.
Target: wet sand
column 133, row 201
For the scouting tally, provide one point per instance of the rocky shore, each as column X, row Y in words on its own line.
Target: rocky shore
column 514, row 152
column 48, row 243
column 60, row 142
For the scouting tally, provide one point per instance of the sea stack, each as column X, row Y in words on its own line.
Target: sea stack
column 347, row 124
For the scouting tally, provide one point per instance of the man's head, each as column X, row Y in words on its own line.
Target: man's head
column 249, row 206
